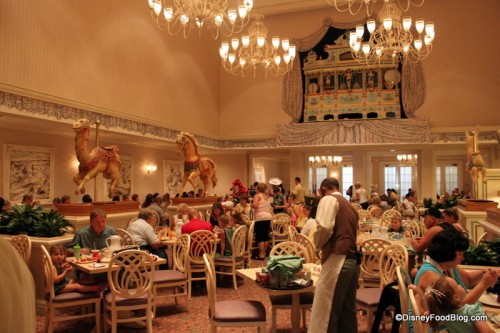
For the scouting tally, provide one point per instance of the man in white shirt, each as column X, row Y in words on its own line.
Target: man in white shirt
column 334, row 305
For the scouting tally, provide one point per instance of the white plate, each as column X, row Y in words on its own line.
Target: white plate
column 490, row 300
column 97, row 265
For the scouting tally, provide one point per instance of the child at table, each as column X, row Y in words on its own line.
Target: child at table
column 60, row 271
column 445, row 297
column 397, row 227
column 226, row 230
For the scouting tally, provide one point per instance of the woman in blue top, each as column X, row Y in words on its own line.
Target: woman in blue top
column 445, row 252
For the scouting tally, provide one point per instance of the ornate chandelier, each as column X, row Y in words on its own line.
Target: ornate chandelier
column 325, row 161
column 407, row 159
column 186, row 15
column 256, row 53
column 354, row 6
column 394, row 39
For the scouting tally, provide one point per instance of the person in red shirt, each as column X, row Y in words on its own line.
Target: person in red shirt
column 195, row 223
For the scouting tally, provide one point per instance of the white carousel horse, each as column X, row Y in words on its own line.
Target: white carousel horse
column 194, row 165
column 95, row 161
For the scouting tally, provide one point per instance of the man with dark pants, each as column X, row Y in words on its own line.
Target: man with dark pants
column 335, row 296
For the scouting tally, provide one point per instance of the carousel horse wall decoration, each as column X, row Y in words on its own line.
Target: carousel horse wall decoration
column 475, row 160
column 95, row 161
column 194, row 165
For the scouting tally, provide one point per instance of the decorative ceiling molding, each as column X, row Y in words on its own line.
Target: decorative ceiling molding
column 349, row 132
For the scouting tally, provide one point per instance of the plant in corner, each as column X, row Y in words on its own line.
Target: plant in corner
column 23, row 219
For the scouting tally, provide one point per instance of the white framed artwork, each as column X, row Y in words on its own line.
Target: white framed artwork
column 172, row 177
column 28, row 170
column 124, row 186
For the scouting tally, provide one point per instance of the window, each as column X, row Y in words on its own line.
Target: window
column 399, row 178
column 347, row 179
column 316, row 176
column 446, row 178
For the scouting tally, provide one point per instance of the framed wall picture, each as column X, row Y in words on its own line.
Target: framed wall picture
column 172, row 177
column 124, row 186
column 28, row 170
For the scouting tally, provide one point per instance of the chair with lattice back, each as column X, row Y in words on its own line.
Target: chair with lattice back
column 279, row 228
column 202, row 241
column 367, row 299
column 125, row 238
column 229, row 265
column 371, row 250
column 292, row 233
column 308, row 244
column 412, row 227
column 89, row 303
column 22, row 244
column 250, row 245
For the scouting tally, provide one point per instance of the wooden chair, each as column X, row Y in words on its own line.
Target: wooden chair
column 371, row 249
column 202, row 241
column 132, row 220
column 364, row 216
column 125, row 238
column 311, row 249
column 237, row 259
column 231, row 313
column 22, row 244
column 412, row 227
column 87, row 301
column 390, row 213
column 247, row 220
column 284, row 302
column 131, row 289
column 157, row 221
column 173, row 279
column 279, row 228
column 250, row 244
column 418, row 325
column 367, row 299
column 292, row 233
column 404, row 281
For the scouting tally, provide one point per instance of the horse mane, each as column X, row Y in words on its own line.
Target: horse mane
column 190, row 137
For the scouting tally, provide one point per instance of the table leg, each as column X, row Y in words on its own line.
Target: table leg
column 295, row 312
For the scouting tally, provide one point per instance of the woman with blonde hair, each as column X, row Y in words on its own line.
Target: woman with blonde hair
column 262, row 215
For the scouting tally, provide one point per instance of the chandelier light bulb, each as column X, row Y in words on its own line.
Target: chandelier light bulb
column 156, row 7
column 285, row 44
column 151, row 4
column 286, row 58
column 168, row 13
column 429, row 28
column 184, row 19
column 387, row 24
column 231, row 14
column 371, row 25
column 352, row 38
column 292, row 51
column 199, row 22
column 407, row 23
column 242, row 62
column 231, row 58
column 235, row 43
column 366, row 48
column 261, row 41
column 360, row 31
column 218, row 20
column 419, row 25
column 242, row 11
column 276, row 42
column 277, row 60
column 427, row 40
column 418, row 44
column 245, row 40
column 357, row 46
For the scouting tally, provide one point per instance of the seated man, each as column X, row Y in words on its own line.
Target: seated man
column 144, row 235
column 195, row 223
column 93, row 236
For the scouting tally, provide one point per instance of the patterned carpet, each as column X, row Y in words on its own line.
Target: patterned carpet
column 176, row 318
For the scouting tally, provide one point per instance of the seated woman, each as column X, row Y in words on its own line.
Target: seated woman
column 445, row 252
column 407, row 206
column 446, row 297
column 243, row 207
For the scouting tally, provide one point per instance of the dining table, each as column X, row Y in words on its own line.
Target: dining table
column 91, row 266
column 249, row 274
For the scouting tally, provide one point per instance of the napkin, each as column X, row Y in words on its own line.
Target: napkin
column 285, row 264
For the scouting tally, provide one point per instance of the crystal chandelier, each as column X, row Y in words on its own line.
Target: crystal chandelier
column 325, row 161
column 354, row 6
column 186, row 15
column 255, row 52
column 407, row 159
column 394, row 39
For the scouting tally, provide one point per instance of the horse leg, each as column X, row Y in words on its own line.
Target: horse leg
column 78, row 181
column 483, row 173
column 473, row 174
column 192, row 179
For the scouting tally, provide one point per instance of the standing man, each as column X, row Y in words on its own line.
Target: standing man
column 334, row 306
column 93, row 236
column 299, row 192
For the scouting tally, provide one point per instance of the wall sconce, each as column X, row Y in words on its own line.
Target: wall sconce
column 151, row 167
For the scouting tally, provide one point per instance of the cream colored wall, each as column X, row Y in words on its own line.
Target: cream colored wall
column 110, row 56
column 461, row 72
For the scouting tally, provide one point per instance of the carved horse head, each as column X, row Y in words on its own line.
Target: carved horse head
column 81, row 124
column 185, row 140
